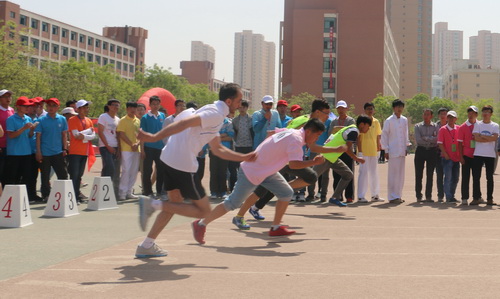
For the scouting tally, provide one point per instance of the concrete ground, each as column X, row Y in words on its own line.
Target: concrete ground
column 374, row 250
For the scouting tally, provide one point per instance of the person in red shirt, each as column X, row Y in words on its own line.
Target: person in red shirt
column 466, row 147
column 450, row 157
column 5, row 112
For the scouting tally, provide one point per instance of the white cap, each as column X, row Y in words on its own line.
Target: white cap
column 82, row 103
column 474, row 108
column 267, row 99
column 452, row 113
column 341, row 104
column 4, row 91
column 69, row 110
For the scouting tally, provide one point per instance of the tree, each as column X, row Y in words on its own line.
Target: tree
column 304, row 100
column 383, row 107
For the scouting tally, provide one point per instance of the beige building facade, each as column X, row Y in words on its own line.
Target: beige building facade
column 485, row 47
column 447, row 46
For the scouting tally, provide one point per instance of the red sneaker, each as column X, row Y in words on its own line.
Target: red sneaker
column 281, row 231
column 349, row 200
column 199, row 231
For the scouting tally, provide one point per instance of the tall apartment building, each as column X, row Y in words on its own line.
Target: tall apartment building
column 485, row 47
column 338, row 50
column 447, row 46
column 411, row 23
column 52, row 40
column 254, row 65
column 467, row 79
column 202, row 52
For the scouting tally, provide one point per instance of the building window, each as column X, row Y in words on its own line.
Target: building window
column 55, row 30
column 82, row 54
column 328, row 44
column 326, row 65
column 45, row 27
column 118, row 50
column 125, row 67
column 328, row 85
column 118, row 65
column 90, row 41
column 98, row 43
column 23, row 20
column 104, row 45
column 104, row 61
column 64, row 51
column 34, row 23
column 330, row 23
column 33, row 62
column 131, row 54
column 45, row 46
column 73, row 35
column 55, row 49
column 98, row 59
column 73, row 53
column 35, row 43
column 82, row 38
column 111, row 61
column 131, row 68
column 24, row 40
column 125, row 52
column 90, row 57
column 64, row 33
column 12, row 14
column 111, row 47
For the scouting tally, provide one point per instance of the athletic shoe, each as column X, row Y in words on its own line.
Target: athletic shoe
column 199, row 231
column 362, row 200
column 377, row 198
column 396, row 201
column 419, row 199
column 131, row 196
column 256, row 214
column 337, row 202
column 475, row 202
column 310, row 198
column 440, row 200
column 145, row 211
column 491, row 203
column 301, row 198
column 241, row 223
column 428, row 200
column 154, row 251
column 323, row 198
column 453, row 200
column 281, row 231
column 349, row 200
column 318, row 195
column 464, row 202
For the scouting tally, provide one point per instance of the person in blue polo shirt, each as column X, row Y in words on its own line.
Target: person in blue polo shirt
column 19, row 154
column 265, row 120
column 51, row 145
column 152, row 122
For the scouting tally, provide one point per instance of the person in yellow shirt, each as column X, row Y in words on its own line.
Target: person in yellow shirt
column 368, row 148
column 127, row 130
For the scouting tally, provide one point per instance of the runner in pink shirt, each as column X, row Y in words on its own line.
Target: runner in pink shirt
column 466, row 147
column 450, row 157
column 272, row 155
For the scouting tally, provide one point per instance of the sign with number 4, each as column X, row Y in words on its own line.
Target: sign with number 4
column 62, row 200
column 102, row 195
column 15, row 207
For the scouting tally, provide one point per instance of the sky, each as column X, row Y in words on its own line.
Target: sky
column 172, row 25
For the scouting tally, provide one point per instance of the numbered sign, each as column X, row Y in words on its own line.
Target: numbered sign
column 62, row 200
column 15, row 207
column 102, row 195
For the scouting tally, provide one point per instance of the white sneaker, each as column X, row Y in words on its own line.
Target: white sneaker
column 154, row 251
column 377, row 198
column 362, row 200
column 301, row 198
column 132, row 196
column 145, row 211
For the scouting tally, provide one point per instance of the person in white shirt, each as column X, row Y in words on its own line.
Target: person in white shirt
column 486, row 135
column 395, row 141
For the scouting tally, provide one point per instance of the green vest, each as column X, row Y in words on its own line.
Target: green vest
column 336, row 140
column 298, row 122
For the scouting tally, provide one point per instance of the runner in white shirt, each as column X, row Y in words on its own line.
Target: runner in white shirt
column 189, row 132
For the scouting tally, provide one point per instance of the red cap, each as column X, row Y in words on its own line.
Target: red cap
column 24, row 101
column 295, row 108
column 53, row 100
column 282, row 103
column 37, row 100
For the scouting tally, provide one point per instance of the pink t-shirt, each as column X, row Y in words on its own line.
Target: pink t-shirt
column 449, row 139
column 274, row 153
column 465, row 136
column 4, row 114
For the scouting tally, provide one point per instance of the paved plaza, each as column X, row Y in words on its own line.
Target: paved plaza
column 377, row 250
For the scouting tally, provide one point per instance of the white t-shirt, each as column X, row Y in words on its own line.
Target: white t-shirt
column 486, row 149
column 110, row 125
column 182, row 149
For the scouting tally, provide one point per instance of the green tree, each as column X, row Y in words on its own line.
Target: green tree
column 304, row 100
column 383, row 107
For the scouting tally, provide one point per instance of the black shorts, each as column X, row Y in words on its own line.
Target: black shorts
column 188, row 183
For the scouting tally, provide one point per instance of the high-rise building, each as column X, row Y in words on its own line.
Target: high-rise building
column 254, row 65
column 447, row 46
column 52, row 40
column 466, row 79
column 202, row 52
column 338, row 50
column 411, row 23
column 485, row 47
